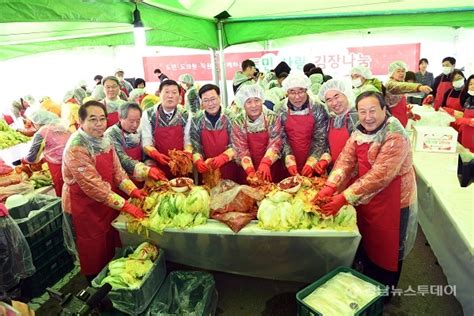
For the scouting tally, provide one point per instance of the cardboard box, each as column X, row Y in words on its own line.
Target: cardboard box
column 435, row 139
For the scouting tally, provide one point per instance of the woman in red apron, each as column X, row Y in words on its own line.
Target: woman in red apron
column 50, row 141
column 466, row 123
column 396, row 88
column 210, row 136
column 92, row 172
column 257, row 137
column 164, row 127
column 383, row 190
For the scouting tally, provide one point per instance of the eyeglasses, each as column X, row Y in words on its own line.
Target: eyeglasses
column 211, row 100
column 95, row 121
column 298, row 92
column 111, row 87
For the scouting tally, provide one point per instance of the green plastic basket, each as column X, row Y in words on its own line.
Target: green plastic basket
column 373, row 308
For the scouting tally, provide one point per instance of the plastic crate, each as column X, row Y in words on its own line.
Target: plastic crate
column 45, row 231
column 47, row 211
column 373, row 308
column 47, row 247
column 47, row 274
column 136, row 301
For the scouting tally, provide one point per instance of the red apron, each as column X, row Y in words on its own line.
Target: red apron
column 57, row 176
column 112, row 118
column 400, row 111
column 337, row 137
column 442, row 88
column 166, row 138
column 96, row 238
column 467, row 132
column 258, row 143
column 299, row 131
column 136, row 153
column 214, row 143
column 453, row 103
column 379, row 220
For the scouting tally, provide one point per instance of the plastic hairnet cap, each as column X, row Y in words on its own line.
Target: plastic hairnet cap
column 337, row 85
column 186, row 78
column 119, row 70
column 296, row 80
column 82, row 83
column 42, row 117
column 249, row 91
column 362, row 71
column 396, row 65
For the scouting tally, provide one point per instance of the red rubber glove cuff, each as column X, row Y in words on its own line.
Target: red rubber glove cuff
column 156, row 174
column 132, row 210
column 321, row 166
column 292, row 170
column 250, row 171
column 219, row 161
column 138, row 194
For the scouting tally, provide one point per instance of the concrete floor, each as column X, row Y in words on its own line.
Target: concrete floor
column 247, row 296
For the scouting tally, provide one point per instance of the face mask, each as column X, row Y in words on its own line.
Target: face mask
column 471, row 92
column 356, row 83
column 447, row 70
column 458, row 84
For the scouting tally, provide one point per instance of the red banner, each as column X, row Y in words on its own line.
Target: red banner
column 336, row 62
column 199, row 66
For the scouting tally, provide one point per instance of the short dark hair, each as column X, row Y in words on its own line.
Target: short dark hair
column 110, row 78
column 423, row 60
column 125, row 108
column 469, row 79
column 247, row 63
column 374, row 94
column 410, row 75
column 315, row 70
column 457, row 72
column 98, row 77
column 157, row 71
column 209, row 87
column 451, row 60
column 168, row 82
column 308, row 67
column 138, row 81
column 83, row 108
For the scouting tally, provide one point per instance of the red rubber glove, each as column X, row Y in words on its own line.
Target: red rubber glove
column 132, row 210
column 264, row 169
column 428, row 99
column 201, row 166
column 326, row 191
column 333, row 206
column 138, row 194
column 218, row 161
column 250, row 171
column 292, row 170
column 307, row 171
column 321, row 166
column 464, row 121
column 159, row 157
column 156, row 174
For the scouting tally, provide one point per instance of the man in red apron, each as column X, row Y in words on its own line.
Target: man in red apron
column 383, row 190
column 49, row 141
column 343, row 118
column 257, row 136
column 91, row 172
column 112, row 100
column 305, row 129
column 210, row 136
column 127, row 140
column 396, row 88
column 165, row 127
column 442, row 83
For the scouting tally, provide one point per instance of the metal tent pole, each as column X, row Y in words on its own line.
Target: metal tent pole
column 223, row 80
